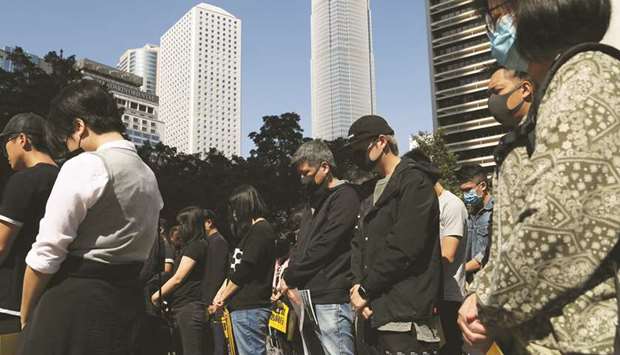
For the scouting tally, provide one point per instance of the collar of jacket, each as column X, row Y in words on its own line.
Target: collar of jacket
column 406, row 164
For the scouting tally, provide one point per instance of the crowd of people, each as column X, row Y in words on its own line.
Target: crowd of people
column 522, row 260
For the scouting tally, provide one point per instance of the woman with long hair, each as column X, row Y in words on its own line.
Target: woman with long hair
column 248, row 292
column 183, row 289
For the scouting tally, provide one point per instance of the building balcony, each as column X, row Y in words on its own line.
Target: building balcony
column 463, row 71
column 485, row 161
column 462, row 108
column 467, row 52
column 470, row 88
column 480, row 123
column 457, row 19
column 477, row 31
column 444, row 6
column 476, row 143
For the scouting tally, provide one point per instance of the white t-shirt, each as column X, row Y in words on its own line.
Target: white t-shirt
column 453, row 222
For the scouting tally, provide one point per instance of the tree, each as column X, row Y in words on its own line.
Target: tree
column 435, row 147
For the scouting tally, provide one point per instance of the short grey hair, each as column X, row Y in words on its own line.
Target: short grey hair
column 315, row 152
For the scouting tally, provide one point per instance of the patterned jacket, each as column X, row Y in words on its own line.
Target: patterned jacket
column 549, row 281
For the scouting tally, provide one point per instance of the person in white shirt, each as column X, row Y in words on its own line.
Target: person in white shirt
column 80, row 293
column 453, row 239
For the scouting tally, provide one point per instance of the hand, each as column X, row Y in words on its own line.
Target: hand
column 218, row 302
column 357, row 301
column 367, row 312
column 474, row 332
column 293, row 296
column 275, row 296
column 282, row 286
column 212, row 309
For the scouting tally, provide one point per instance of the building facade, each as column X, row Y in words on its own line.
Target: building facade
column 142, row 62
column 139, row 108
column 342, row 66
column 199, row 82
column 460, row 58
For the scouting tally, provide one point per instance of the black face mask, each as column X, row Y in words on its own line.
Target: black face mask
column 362, row 160
column 498, row 106
column 312, row 190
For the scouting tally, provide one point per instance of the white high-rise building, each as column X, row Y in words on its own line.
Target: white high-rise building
column 142, row 62
column 343, row 78
column 199, row 82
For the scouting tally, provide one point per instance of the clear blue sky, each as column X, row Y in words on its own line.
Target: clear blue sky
column 276, row 48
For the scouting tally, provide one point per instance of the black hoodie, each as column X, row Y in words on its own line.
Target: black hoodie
column 321, row 260
column 396, row 254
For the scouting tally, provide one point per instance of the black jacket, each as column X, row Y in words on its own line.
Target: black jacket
column 321, row 260
column 396, row 253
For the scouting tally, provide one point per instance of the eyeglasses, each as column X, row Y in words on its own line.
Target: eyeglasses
column 491, row 20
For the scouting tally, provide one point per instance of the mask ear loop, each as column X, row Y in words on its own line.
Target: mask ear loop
column 520, row 104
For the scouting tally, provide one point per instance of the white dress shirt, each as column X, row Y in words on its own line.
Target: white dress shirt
column 80, row 184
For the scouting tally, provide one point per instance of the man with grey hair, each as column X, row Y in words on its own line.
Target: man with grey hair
column 321, row 261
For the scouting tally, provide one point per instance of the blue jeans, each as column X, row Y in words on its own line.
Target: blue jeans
column 250, row 330
column 336, row 328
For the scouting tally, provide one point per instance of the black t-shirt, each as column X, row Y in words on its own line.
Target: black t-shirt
column 217, row 267
column 190, row 289
column 252, row 267
column 23, row 205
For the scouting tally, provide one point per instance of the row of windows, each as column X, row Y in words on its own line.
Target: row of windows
column 135, row 105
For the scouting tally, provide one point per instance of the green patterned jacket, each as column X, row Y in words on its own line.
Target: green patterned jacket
column 549, row 281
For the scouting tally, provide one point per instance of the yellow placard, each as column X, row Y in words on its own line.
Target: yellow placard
column 495, row 350
column 279, row 317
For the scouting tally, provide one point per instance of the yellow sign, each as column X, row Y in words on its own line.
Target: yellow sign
column 279, row 317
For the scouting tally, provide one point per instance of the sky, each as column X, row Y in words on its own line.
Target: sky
column 275, row 49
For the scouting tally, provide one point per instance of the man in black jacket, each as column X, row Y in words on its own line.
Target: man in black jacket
column 396, row 257
column 321, row 261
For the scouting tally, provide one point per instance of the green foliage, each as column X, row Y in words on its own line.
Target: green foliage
column 435, row 147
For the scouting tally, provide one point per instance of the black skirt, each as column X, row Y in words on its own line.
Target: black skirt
column 79, row 315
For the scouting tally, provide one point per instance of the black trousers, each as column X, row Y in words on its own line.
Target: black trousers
column 448, row 312
column 191, row 324
column 78, row 316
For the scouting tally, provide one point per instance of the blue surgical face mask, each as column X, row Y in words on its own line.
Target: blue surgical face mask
column 471, row 198
column 503, row 46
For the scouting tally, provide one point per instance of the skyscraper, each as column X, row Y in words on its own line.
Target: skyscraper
column 142, row 62
column 343, row 78
column 460, row 56
column 199, row 82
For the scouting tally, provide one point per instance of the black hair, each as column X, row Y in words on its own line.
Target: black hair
column 546, row 28
column 418, row 155
column 191, row 224
column 89, row 101
column 495, row 66
column 474, row 172
column 210, row 215
column 244, row 205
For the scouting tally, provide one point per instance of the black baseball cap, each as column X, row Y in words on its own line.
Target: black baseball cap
column 368, row 126
column 29, row 123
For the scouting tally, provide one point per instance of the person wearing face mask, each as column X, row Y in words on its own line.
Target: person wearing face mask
column 552, row 277
column 321, row 261
column 396, row 256
column 501, row 30
column 81, row 293
column 479, row 203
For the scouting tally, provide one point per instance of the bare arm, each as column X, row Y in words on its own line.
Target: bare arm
column 168, row 267
column 185, row 267
column 228, row 291
column 449, row 245
column 34, row 285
